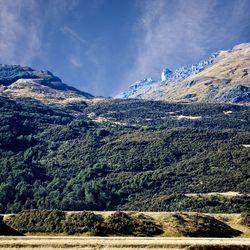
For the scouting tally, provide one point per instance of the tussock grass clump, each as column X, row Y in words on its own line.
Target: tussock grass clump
column 120, row 223
column 123, row 224
column 82, row 222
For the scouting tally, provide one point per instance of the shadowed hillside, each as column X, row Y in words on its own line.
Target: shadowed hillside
column 126, row 155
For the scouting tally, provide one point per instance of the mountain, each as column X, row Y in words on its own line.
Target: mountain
column 222, row 78
column 61, row 148
column 17, row 81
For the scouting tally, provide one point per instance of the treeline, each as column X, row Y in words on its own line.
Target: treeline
column 58, row 158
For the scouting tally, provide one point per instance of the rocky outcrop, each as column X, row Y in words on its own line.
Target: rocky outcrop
column 237, row 94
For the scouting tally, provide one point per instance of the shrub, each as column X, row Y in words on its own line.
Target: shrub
column 245, row 219
column 200, row 225
column 83, row 222
column 145, row 226
column 120, row 223
column 38, row 221
column 123, row 224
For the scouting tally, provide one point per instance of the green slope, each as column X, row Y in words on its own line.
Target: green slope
column 143, row 155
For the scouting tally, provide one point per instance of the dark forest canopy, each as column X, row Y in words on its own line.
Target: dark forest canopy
column 144, row 155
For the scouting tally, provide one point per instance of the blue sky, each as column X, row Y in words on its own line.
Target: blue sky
column 103, row 46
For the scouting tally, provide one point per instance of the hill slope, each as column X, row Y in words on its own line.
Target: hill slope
column 223, row 78
column 128, row 154
column 61, row 148
column 17, row 81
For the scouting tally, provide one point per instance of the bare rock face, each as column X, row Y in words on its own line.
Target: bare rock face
column 222, row 78
column 24, row 82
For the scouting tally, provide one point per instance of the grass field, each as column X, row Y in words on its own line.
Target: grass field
column 48, row 243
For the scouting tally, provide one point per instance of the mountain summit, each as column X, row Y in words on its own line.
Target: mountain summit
column 222, row 78
column 18, row 81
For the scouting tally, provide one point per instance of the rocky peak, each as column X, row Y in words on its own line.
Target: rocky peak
column 11, row 73
column 165, row 74
column 18, row 81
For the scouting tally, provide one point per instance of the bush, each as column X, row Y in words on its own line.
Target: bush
column 145, row 226
column 123, row 224
column 120, row 223
column 200, row 225
column 83, row 222
column 102, row 132
column 55, row 221
column 245, row 219
column 38, row 221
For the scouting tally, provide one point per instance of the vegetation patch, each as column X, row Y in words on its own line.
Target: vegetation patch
column 146, row 226
column 120, row 223
column 245, row 219
column 55, row 221
column 199, row 225
column 42, row 221
column 57, row 157
column 82, row 222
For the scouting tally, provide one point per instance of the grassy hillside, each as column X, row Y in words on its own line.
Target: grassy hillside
column 174, row 224
column 226, row 80
column 129, row 155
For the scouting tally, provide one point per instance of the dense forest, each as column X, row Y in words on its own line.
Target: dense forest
column 124, row 155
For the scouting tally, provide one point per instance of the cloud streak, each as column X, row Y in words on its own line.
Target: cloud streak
column 72, row 34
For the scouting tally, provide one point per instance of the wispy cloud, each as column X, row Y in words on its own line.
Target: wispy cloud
column 26, row 25
column 72, row 34
column 75, row 62
column 19, row 36
column 171, row 33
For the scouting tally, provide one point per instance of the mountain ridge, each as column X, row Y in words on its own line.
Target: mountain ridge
column 23, row 81
column 211, row 80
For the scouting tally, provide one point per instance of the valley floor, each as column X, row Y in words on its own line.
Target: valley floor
column 56, row 242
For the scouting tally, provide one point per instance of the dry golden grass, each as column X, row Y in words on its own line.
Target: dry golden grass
column 228, row 194
column 28, row 88
column 164, row 218
column 185, row 117
column 47, row 243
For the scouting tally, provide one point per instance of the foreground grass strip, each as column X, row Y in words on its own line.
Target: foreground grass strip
column 123, row 243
